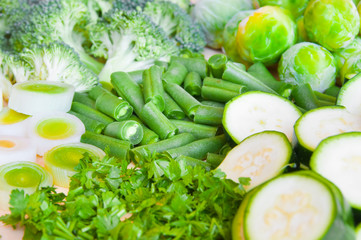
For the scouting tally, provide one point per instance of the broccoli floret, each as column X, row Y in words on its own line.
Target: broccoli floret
column 129, row 41
column 55, row 20
column 172, row 18
column 59, row 62
column 184, row 4
column 97, row 9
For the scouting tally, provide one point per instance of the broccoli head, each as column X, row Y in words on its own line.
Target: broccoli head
column 129, row 41
column 58, row 62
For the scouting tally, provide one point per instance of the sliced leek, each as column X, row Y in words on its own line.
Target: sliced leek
column 13, row 149
column 48, row 131
column 27, row 176
column 13, row 123
column 61, row 160
column 39, row 97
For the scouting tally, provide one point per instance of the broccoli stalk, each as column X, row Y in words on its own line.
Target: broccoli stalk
column 129, row 41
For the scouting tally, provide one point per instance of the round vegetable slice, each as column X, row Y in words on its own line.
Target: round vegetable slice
column 61, row 160
column 39, row 97
column 13, row 149
column 315, row 125
column 349, row 95
column 299, row 205
column 254, row 112
column 358, row 232
column 48, row 131
column 260, row 157
column 13, row 123
column 27, row 176
column 338, row 158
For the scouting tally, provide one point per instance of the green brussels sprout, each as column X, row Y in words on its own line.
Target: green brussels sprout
column 265, row 35
column 342, row 54
column 296, row 7
column 308, row 63
column 213, row 15
column 332, row 23
column 302, row 35
column 230, row 33
column 351, row 68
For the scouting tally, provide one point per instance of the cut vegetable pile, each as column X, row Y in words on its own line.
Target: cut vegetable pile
column 115, row 101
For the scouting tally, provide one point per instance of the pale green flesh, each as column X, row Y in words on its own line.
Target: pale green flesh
column 68, row 157
column 55, row 128
column 23, row 177
column 8, row 116
column 43, row 88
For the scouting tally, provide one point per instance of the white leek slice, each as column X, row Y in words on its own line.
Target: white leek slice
column 260, row 157
column 41, row 97
column 61, row 160
column 13, row 123
column 48, row 131
column 27, row 176
column 13, row 149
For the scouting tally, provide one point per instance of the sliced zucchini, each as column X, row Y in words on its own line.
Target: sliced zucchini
column 299, row 205
column 317, row 124
column 255, row 111
column 358, row 232
column 338, row 158
column 349, row 95
column 260, row 157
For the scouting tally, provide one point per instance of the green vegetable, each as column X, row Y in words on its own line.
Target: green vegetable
column 113, row 106
column 308, row 63
column 217, row 64
column 349, row 97
column 332, row 23
column 351, row 68
column 304, row 97
column 96, row 91
column 84, row 99
column 91, row 113
column 199, row 148
column 194, row 162
column 176, row 73
column 197, row 65
column 212, row 103
column 296, row 7
column 197, row 130
column 141, row 153
column 153, row 87
column 127, row 130
column 333, row 91
column 90, row 124
column 213, row 16
column 193, row 84
column 302, row 34
column 115, row 147
column 171, row 109
column 209, row 115
column 218, row 94
column 214, row 159
column 341, row 55
column 254, row 45
column 148, row 135
column 137, row 76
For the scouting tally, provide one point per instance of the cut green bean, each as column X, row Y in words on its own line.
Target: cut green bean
column 235, row 74
column 197, row 65
column 186, row 101
column 148, row 135
column 218, row 94
column 176, row 73
column 333, row 91
column 91, row 113
column 157, row 121
column 304, row 97
column 171, row 109
column 325, row 97
column 117, row 148
column 194, row 162
column 96, row 91
column 209, row 115
column 225, row 149
column 90, row 124
column 113, row 106
column 162, row 64
column 128, row 90
column 153, row 87
column 214, row 159
column 212, row 103
column 199, row 149
column 193, row 84
column 199, row 131
column 217, row 64
column 127, row 130
column 322, row 103
column 223, row 84
column 138, row 153
column 137, row 76
column 84, row 99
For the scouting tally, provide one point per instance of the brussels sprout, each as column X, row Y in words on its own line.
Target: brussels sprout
column 213, row 15
column 342, row 54
column 332, row 23
column 351, row 68
column 296, row 7
column 230, row 33
column 302, row 35
column 265, row 35
column 308, row 63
